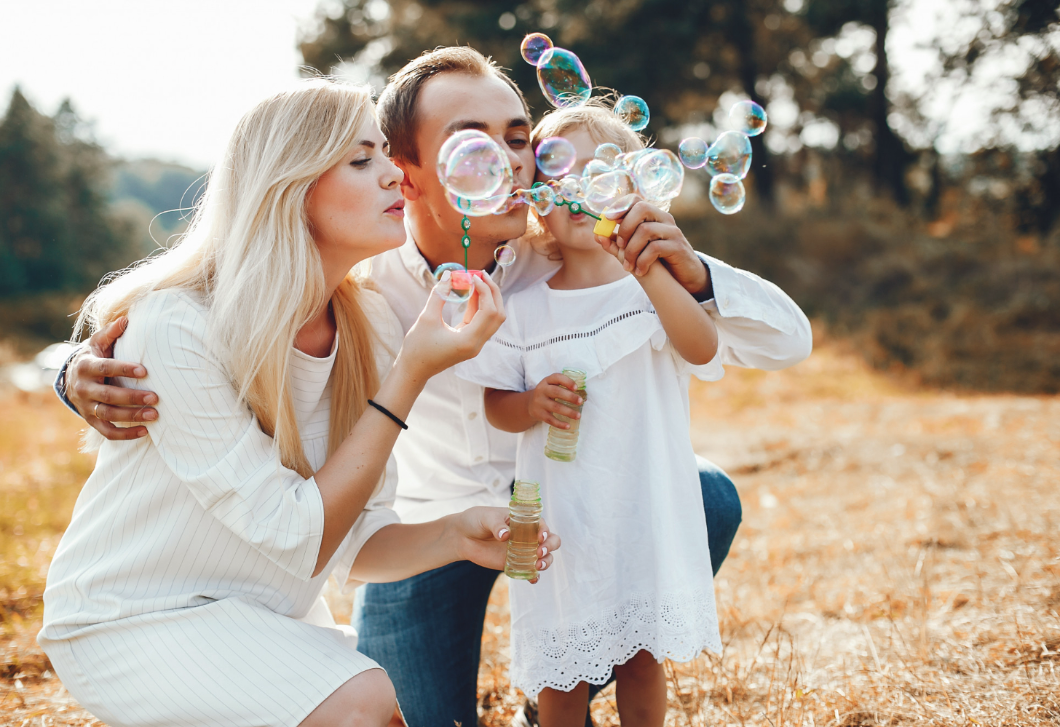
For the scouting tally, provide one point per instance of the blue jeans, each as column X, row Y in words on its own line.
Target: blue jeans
column 426, row 631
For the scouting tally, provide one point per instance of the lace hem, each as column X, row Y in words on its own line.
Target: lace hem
column 677, row 625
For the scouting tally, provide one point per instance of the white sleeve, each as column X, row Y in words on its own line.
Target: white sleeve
column 500, row 363
column 213, row 443
column 759, row 326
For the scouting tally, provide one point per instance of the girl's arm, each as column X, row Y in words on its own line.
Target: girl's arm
column 517, row 411
column 478, row 534
column 688, row 326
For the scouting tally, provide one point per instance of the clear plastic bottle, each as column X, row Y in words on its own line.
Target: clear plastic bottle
column 562, row 444
column 524, row 521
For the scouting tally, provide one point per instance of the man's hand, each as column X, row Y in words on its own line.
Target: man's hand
column 648, row 234
column 99, row 402
column 543, row 405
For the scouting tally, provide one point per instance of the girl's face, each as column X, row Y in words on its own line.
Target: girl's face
column 573, row 230
column 356, row 209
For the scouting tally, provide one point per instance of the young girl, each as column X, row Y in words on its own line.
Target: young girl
column 634, row 585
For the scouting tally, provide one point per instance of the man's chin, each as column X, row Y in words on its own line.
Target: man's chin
column 510, row 225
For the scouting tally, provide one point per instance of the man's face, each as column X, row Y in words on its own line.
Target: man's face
column 449, row 103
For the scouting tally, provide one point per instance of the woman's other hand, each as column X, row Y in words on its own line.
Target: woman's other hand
column 483, row 535
column 543, row 405
column 432, row 345
column 101, row 403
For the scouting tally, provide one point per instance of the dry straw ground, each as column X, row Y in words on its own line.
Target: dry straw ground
column 899, row 561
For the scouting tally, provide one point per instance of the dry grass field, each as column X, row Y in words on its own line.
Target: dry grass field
column 899, row 561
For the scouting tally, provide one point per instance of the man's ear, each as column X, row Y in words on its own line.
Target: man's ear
column 409, row 188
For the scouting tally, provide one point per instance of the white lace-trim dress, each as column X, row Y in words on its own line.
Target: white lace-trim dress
column 634, row 572
column 182, row 592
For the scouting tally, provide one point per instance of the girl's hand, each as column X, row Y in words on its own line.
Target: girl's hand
column 432, row 346
column 648, row 234
column 543, row 406
column 483, row 538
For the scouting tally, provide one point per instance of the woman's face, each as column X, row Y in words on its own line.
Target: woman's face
column 356, row 209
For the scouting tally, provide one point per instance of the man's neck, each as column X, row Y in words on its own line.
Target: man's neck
column 439, row 246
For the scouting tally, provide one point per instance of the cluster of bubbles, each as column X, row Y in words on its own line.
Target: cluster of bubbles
column 478, row 178
column 728, row 159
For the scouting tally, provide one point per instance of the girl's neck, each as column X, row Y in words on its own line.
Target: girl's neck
column 586, row 268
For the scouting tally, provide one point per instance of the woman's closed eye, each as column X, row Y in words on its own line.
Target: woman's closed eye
column 362, row 162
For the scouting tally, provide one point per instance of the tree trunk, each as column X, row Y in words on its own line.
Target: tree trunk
column 743, row 39
column 889, row 166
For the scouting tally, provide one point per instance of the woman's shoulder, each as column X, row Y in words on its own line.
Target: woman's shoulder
column 168, row 310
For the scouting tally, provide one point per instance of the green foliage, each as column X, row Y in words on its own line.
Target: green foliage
column 56, row 229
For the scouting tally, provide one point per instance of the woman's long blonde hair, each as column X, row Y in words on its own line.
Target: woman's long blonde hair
column 251, row 257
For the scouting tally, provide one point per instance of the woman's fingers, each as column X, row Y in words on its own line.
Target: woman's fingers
column 116, row 434
column 102, row 341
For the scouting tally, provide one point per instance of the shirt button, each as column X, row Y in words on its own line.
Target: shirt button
column 725, row 301
column 496, row 482
column 472, row 415
column 479, row 458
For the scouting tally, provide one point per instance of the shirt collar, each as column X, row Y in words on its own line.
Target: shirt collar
column 416, row 264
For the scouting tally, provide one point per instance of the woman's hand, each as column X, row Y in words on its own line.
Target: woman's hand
column 542, row 404
column 483, row 534
column 432, row 346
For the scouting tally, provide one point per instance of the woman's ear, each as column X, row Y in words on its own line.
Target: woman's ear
column 409, row 188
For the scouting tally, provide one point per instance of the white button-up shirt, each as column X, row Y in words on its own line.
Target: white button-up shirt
column 451, row 458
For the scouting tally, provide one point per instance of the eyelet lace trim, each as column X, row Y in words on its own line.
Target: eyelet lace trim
column 574, row 336
column 675, row 625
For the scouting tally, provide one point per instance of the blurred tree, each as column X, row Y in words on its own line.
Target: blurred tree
column 56, row 232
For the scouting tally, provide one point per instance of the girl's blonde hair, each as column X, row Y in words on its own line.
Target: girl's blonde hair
column 597, row 117
column 250, row 255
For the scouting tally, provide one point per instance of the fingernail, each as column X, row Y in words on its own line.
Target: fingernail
column 544, row 551
column 502, row 533
column 151, row 399
column 544, row 534
column 541, row 565
column 141, row 432
column 139, row 371
column 150, row 416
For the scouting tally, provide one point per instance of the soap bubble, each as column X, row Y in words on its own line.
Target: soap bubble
column 504, row 255
column 563, row 79
column 693, row 152
column 727, row 194
column 627, row 159
column 594, row 168
column 570, row 189
column 471, row 165
column 748, row 118
column 555, row 156
column 614, row 191
column 730, row 154
column 460, row 285
column 534, row 46
column 542, row 199
column 634, row 111
column 495, row 205
column 659, row 175
column 607, row 153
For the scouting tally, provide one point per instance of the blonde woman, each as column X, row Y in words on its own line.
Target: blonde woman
column 283, row 384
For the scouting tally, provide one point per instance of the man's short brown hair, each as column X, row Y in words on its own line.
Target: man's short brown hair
column 397, row 103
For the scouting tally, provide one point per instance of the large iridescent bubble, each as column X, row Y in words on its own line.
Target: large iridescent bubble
column 730, row 154
column 534, row 46
column 693, row 152
column 495, row 205
column 608, row 153
column 634, row 111
column 659, row 175
column 569, row 190
column 555, row 156
column 748, row 118
column 471, row 165
column 727, row 194
column 504, row 255
column 594, row 168
column 542, row 199
column 563, row 79
column 613, row 192
column 460, row 286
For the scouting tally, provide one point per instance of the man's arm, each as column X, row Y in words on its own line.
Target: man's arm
column 82, row 386
column 759, row 326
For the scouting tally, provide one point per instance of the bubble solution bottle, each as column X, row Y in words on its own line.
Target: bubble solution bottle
column 524, row 520
column 562, row 444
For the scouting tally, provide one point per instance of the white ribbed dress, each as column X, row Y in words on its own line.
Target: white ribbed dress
column 174, row 595
column 634, row 572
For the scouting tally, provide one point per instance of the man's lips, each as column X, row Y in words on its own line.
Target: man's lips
column 398, row 208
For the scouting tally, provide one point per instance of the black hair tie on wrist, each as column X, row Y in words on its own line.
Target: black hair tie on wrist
column 386, row 411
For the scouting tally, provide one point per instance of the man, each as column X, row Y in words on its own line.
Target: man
column 426, row 631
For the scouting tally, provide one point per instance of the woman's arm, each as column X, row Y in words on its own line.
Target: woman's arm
column 479, row 534
column 517, row 411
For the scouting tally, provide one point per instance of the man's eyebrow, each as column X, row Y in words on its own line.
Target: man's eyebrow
column 519, row 122
column 462, row 124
